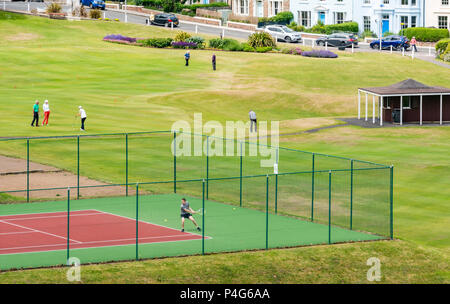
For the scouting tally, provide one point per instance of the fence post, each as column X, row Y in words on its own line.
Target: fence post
column 240, row 178
column 203, row 217
column 351, row 195
column 174, row 162
column 68, row 223
column 137, row 221
column 126, row 163
column 28, row 170
column 267, row 212
column 391, row 198
column 329, row 207
column 312, row 188
column 276, row 193
column 207, row 167
column 78, row 167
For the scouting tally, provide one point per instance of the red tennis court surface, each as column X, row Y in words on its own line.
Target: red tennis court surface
column 88, row 228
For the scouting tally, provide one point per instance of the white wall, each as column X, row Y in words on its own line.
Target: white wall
column 328, row 6
column 433, row 9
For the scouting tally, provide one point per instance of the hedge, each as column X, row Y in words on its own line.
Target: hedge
column 426, row 34
column 442, row 45
column 178, row 7
column 351, row 27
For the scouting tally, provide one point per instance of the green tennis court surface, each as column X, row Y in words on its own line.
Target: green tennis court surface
column 226, row 228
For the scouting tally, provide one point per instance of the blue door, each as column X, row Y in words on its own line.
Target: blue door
column 385, row 26
column 322, row 17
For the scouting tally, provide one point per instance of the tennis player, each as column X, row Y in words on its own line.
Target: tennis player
column 186, row 213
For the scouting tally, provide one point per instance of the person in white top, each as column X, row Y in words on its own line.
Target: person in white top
column 82, row 114
column 252, row 116
column 46, row 108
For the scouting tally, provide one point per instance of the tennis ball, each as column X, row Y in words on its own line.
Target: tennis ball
column 234, row 208
column 165, row 220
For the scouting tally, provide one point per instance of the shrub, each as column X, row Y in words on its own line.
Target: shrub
column 263, row 49
column 120, row 38
column 385, row 34
column 350, row 27
column 320, row 54
column 168, row 5
column 293, row 51
column 367, row 34
column 233, row 45
column 224, row 44
column 283, row 17
column 319, row 28
column 53, row 8
column 184, row 45
column 441, row 46
column 95, row 14
column 261, row 39
column 426, row 34
column 182, row 36
column 198, row 40
column 298, row 28
column 157, row 42
column 247, row 48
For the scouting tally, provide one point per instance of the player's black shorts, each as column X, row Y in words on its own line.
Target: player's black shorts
column 187, row 215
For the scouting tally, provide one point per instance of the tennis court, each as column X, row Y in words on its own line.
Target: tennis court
column 104, row 229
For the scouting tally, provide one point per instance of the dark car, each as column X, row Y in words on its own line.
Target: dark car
column 163, row 19
column 397, row 42
column 338, row 40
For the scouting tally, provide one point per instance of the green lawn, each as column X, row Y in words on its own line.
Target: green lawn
column 126, row 89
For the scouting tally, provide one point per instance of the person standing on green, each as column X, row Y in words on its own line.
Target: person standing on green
column 35, row 114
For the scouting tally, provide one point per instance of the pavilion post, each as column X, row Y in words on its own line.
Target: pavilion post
column 401, row 110
column 421, row 113
column 359, row 104
column 381, row 111
column 373, row 109
column 440, row 110
column 367, row 97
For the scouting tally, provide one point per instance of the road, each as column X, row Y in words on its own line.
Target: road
column 424, row 53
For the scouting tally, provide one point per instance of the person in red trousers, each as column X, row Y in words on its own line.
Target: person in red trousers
column 46, row 113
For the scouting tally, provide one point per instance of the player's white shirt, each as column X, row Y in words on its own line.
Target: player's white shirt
column 83, row 113
column 46, row 107
column 252, row 115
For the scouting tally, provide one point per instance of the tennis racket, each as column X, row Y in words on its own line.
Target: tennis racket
column 200, row 211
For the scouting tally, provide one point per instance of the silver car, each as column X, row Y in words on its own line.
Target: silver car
column 283, row 33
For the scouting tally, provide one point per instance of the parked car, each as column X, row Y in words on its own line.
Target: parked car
column 397, row 42
column 338, row 40
column 283, row 33
column 94, row 3
column 165, row 18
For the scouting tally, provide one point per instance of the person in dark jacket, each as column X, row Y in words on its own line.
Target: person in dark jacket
column 187, row 56
column 214, row 61
column 35, row 114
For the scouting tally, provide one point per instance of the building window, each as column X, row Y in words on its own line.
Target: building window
column 404, row 2
column 403, row 22
column 367, row 23
column 241, row 7
column 413, row 2
column 305, row 18
column 339, row 17
column 444, row 2
column 386, row 103
column 385, row 1
column 406, row 102
column 443, row 22
column 366, row 1
column 413, row 21
column 275, row 7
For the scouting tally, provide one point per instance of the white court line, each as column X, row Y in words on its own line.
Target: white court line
column 26, row 247
column 35, row 230
column 46, row 212
column 49, row 217
column 19, row 232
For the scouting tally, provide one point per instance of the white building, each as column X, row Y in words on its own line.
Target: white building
column 437, row 13
column 309, row 12
column 389, row 15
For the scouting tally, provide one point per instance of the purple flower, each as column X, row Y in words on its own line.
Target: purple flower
column 184, row 45
column 119, row 38
column 296, row 51
column 320, row 54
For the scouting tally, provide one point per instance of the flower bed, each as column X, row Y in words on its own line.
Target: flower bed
column 320, row 54
column 119, row 38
